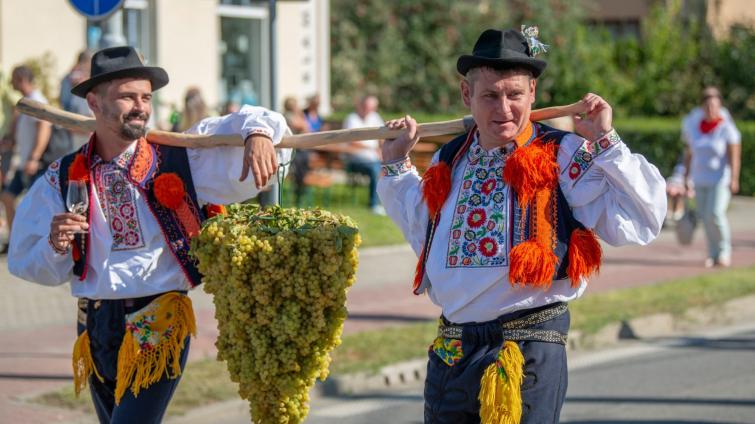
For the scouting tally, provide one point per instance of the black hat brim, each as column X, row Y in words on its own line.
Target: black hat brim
column 157, row 76
column 467, row 62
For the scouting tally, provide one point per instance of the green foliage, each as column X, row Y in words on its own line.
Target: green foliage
column 405, row 52
column 734, row 65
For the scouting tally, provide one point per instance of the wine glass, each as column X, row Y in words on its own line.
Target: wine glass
column 77, row 198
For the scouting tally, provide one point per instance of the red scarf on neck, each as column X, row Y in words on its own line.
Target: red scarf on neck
column 707, row 126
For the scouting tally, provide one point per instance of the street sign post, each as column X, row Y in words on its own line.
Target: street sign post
column 96, row 10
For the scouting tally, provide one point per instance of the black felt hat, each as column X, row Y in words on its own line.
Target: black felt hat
column 501, row 50
column 120, row 62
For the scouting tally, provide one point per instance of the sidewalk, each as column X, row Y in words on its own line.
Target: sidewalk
column 37, row 324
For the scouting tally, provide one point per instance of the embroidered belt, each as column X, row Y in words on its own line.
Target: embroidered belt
column 519, row 329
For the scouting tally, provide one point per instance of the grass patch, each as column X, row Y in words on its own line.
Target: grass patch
column 593, row 311
column 207, row 381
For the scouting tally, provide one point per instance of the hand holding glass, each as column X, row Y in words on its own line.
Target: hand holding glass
column 77, row 198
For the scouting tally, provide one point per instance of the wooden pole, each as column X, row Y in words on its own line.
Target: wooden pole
column 77, row 122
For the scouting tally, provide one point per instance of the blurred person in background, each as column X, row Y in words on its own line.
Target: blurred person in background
column 364, row 156
column 298, row 124
column 195, row 109
column 712, row 161
column 76, row 104
column 30, row 139
column 312, row 114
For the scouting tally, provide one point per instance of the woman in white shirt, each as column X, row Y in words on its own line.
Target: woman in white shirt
column 712, row 159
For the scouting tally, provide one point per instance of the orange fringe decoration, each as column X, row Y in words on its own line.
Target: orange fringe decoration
column 76, row 252
column 530, row 169
column 214, row 210
column 584, row 256
column 78, row 170
column 187, row 218
column 418, row 274
column 532, row 264
column 436, row 186
column 169, row 190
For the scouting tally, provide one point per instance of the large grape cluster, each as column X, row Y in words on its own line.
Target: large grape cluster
column 279, row 279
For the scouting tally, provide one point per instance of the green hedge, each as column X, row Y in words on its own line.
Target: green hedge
column 660, row 142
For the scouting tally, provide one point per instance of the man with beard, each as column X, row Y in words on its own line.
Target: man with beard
column 127, row 254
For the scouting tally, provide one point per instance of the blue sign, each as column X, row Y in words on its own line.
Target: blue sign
column 96, row 10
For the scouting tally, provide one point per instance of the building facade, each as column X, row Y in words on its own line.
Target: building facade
column 223, row 47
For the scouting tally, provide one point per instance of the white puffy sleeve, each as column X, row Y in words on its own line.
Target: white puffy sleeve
column 216, row 171
column 400, row 192
column 618, row 194
column 30, row 255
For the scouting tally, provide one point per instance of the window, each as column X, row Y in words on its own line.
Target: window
column 244, row 53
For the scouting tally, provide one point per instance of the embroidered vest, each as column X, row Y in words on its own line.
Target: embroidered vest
column 149, row 163
column 547, row 241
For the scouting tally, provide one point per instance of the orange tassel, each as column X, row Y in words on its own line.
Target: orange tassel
column 530, row 169
column 436, row 186
column 76, row 252
column 532, row 264
column 214, row 210
column 584, row 256
column 78, row 170
column 169, row 190
column 418, row 274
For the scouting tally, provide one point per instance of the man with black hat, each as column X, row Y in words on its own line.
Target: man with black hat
column 124, row 242
column 505, row 224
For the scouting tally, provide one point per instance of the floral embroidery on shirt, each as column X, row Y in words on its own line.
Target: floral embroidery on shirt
column 589, row 150
column 397, row 168
column 448, row 350
column 118, row 201
column 478, row 229
column 52, row 175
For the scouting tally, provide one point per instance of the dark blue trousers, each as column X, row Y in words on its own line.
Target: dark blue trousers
column 451, row 392
column 106, row 325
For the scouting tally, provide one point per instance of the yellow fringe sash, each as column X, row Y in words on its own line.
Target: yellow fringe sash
column 500, row 387
column 150, row 348
column 171, row 317
column 83, row 364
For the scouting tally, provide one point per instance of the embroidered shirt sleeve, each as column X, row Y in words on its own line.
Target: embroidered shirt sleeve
column 52, row 175
column 617, row 193
column 583, row 157
column 399, row 167
column 30, row 255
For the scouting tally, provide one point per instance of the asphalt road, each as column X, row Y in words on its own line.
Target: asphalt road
column 707, row 378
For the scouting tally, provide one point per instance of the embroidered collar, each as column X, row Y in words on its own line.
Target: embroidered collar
column 477, row 152
column 139, row 160
column 121, row 161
